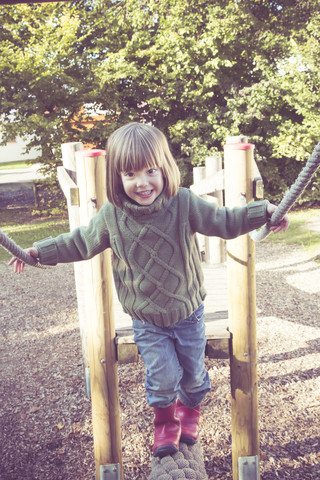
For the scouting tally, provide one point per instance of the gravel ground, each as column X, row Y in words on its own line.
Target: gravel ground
column 45, row 417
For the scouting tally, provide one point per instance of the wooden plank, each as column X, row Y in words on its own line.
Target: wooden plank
column 208, row 185
column 69, row 188
column 218, row 338
column 66, row 176
column 218, row 348
column 217, row 327
column 216, row 313
column 127, row 353
column 127, row 350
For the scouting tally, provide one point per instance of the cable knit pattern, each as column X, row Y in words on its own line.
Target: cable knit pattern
column 156, row 260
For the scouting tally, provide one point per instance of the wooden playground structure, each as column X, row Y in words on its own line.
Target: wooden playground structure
column 107, row 338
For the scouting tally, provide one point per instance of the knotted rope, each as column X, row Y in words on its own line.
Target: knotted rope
column 187, row 463
column 291, row 195
column 17, row 251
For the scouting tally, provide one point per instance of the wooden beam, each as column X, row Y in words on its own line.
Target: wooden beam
column 218, row 340
column 218, row 348
column 239, row 172
column 208, row 185
column 127, row 350
column 69, row 188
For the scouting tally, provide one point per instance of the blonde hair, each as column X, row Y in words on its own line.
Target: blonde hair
column 136, row 146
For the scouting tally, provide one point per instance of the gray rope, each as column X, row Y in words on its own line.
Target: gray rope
column 291, row 195
column 17, row 251
column 188, row 463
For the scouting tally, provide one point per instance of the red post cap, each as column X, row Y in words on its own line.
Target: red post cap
column 238, row 146
column 91, row 152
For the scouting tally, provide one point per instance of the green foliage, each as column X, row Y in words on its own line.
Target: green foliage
column 204, row 70
column 49, row 198
column 47, row 59
column 199, row 70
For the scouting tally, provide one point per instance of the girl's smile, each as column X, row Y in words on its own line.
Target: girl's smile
column 143, row 186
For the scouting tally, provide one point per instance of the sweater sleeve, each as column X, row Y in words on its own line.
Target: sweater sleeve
column 206, row 218
column 82, row 243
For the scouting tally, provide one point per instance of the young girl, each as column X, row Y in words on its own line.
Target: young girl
column 150, row 225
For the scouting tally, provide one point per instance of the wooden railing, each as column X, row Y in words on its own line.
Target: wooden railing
column 208, row 182
column 83, row 182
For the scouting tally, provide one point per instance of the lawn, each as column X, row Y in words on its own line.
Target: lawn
column 25, row 229
column 15, row 165
column 301, row 231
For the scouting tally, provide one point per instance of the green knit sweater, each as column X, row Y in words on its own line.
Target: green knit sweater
column 156, row 260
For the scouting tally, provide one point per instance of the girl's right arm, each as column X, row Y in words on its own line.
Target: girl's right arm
column 18, row 265
column 82, row 243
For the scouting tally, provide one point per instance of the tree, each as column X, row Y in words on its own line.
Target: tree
column 279, row 110
column 47, row 75
column 203, row 70
column 197, row 69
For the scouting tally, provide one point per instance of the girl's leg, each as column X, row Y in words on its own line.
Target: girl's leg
column 190, row 347
column 163, row 374
column 195, row 382
column 163, row 371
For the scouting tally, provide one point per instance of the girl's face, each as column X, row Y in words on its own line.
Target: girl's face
column 143, row 186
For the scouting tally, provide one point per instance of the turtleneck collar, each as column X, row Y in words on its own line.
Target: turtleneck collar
column 138, row 210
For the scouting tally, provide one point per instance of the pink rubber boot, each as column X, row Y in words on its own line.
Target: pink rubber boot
column 167, row 431
column 189, row 418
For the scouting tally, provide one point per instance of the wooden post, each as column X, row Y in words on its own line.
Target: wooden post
column 214, row 246
column 242, row 310
column 67, row 176
column 199, row 173
column 208, row 183
column 91, row 178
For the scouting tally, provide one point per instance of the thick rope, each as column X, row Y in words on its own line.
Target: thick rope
column 187, row 463
column 17, row 251
column 291, row 195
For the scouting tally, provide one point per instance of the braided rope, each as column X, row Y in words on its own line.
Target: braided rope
column 291, row 195
column 188, row 463
column 17, row 251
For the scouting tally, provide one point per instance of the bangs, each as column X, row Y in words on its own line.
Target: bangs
column 138, row 152
column 134, row 147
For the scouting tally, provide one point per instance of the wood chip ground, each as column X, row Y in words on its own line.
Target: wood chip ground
column 45, row 416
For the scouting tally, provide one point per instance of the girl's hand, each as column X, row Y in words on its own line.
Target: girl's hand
column 283, row 225
column 19, row 264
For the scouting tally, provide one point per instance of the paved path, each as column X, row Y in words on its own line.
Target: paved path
column 313, row 225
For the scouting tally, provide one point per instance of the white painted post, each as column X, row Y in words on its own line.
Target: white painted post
column 199, row 173
column 68, row 175
column 208, row 182
column 214, row 246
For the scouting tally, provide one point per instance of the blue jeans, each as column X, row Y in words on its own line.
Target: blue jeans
column 174, row 360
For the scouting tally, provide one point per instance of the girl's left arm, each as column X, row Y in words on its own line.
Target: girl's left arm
column 206, row 218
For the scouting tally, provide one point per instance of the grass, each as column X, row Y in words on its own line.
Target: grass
column 15, row 165
column 300, row 231
column 25, row 229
